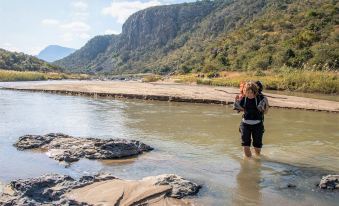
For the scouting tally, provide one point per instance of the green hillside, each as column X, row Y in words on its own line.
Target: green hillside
column 23, row 62
column 218, row 35
column 298, row 34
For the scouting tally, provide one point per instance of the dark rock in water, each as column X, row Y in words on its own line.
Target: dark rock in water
column 290, row 185
column 46, row 189
column 66, row 148
column 55, row 189
column 329, row 182
column 34, row 141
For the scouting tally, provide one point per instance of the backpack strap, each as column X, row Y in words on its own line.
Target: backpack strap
column 243, row 115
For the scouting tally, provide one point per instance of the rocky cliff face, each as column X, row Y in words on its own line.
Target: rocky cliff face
column 159, row 25
column 145, row 30
column 217, row 35
column 151, row 34
column 82, row 58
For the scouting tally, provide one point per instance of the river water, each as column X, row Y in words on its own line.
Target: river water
column 199, row 142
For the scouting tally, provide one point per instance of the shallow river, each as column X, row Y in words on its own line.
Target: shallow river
column 199, row 142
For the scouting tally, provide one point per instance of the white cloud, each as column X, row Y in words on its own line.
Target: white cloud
column 79, row 5
column 75, row 26
column 121, row 10
column 84, row 36
column 50, row 22
column 31, row 50
column 35, row 50
column 10, row 47
column 80, row 15
column 80, row 10
column 67, row 37
column 111, row 31
column 70, row 36
column 70, row 30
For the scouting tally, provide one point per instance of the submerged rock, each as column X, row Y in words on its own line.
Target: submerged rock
column 94, row 190
column 329, row 182
column 291, row 185
column 45, row 189
column 66, row 148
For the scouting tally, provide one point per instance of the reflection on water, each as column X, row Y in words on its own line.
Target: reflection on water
column 248, row 189
column 199, row 142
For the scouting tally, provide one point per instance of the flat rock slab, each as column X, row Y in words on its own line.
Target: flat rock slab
column 101, row 189
column 69, row 149
column 329, row 182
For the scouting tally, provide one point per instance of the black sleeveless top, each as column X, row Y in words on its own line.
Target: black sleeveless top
column 250, row 106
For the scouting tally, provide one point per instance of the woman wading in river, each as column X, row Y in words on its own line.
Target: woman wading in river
column 254, row 104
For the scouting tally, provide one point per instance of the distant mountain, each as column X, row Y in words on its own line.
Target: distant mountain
column 54, row 52
column 217, row 35
column 23, row 62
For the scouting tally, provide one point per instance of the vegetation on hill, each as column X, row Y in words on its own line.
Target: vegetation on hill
column 212, row 36
column 150, row 37
column 23, row 62
column 298, row 34
column 297, row 38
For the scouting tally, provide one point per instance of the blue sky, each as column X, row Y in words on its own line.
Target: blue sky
column 30, row 26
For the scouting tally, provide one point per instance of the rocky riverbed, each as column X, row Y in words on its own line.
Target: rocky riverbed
column 65, row 148
column 101, row 189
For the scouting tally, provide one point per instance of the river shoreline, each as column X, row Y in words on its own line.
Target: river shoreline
column 168, row 92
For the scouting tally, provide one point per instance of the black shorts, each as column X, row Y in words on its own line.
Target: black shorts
column 256, row 131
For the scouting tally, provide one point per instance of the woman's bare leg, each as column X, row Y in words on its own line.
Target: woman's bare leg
column 257, row 151
column 247, row 151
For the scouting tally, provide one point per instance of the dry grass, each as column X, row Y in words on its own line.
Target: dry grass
column 152, row 78
column 283, row 79
column 9, row 75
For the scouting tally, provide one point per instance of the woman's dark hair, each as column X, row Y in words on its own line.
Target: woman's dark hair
column 253, row 87
column 260, row 86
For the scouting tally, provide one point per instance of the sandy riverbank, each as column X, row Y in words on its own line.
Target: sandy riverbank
column 169, row 92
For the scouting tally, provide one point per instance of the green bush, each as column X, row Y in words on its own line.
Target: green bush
column 209, row 68
column 259, row 73
column 184, row 69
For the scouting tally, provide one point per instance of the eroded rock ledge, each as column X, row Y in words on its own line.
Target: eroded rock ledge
column 329, row 182
column 101, row 189
column 69, row 149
